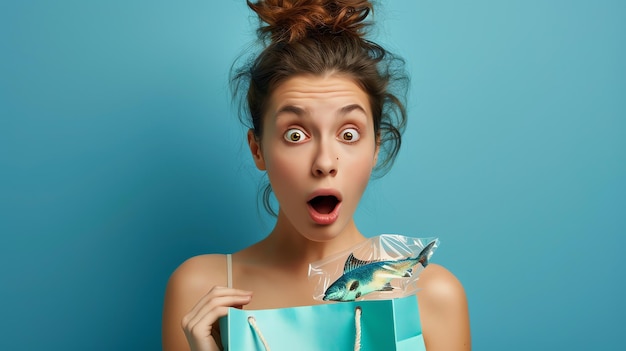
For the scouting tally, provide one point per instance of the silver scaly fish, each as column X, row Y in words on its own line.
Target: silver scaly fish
column 363, row 277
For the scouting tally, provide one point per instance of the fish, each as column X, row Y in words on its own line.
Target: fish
column 363, row 277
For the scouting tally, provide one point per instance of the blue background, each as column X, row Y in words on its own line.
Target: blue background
column 121, row 156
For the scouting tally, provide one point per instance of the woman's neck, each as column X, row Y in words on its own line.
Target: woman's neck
column 285, row 245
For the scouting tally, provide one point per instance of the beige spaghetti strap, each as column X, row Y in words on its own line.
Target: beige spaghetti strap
column 229, row 270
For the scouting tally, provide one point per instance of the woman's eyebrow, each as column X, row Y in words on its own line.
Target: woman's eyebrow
column 291, row 109
column 299, row 112
column 349, row 108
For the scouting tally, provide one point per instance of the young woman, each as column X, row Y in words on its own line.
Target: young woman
column 323, row 117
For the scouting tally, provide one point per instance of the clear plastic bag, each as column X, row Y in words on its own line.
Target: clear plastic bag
column 383, row 267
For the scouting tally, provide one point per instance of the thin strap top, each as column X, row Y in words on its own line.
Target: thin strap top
column 229, row 269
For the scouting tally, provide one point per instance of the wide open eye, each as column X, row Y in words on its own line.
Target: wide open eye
column 295, row 135
column 349, row 135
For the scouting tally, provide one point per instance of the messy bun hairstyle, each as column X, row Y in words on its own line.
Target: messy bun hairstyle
column 318, row 37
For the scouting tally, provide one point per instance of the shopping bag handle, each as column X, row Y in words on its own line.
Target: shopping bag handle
column 357, row 335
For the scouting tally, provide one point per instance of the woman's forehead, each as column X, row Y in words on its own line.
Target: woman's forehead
column 307, row 88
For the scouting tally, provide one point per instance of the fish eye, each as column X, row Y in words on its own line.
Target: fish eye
column 354, row 285
column 350, row 135
column 294, row 135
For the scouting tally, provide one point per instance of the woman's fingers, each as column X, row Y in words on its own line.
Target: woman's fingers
column 215, row 308
column 198, row 323
column 219, row 291
column 217, row 296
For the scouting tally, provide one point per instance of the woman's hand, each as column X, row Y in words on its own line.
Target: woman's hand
column 198, row 323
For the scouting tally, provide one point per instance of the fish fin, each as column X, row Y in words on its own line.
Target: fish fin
column 386, row 287
column 352, row 263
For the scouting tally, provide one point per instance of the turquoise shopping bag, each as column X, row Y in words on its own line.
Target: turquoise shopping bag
column 375, row 325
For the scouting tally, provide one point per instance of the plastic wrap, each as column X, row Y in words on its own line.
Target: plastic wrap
column 383, row 267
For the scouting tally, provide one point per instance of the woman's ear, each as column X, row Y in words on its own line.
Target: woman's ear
column 255, row 149
column 376, row 151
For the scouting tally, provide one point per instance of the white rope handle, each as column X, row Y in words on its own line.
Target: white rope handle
column 357, row 324
column 252, row 322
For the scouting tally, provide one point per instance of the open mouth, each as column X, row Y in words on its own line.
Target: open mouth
column 324, row 204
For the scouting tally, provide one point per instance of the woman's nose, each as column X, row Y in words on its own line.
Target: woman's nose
column 325, row 161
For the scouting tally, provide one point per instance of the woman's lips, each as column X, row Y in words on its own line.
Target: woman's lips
column 324, row 218
column 324, row 207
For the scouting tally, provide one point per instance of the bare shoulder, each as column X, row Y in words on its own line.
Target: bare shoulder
column 443, row 310
column 200, row 272
column 193, row 279
column 439, row 286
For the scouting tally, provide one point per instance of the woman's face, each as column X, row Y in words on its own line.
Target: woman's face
column 318, row 147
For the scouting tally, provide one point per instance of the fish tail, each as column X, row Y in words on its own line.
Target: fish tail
column 422, row 258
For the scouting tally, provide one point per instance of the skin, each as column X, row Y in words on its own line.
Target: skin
column 321, row 112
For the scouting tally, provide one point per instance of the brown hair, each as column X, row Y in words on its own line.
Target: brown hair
column 318, row 37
